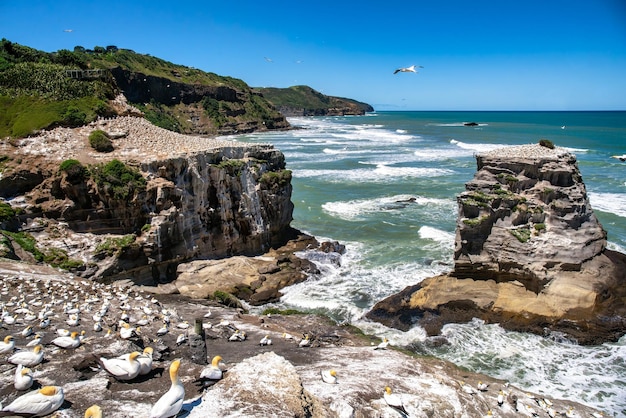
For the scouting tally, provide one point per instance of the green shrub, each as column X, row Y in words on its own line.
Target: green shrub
column 226, row 298
column 275, row 178
column 540, row 227
column 57, row 257
column 522, row 234
column 6, row 211
column 276, row 311
column 546, row 143
column 27, row 242
column 232, row 167
column 118, row 179
column 100, row 141
column 114, row 245
column 74, row 116
column 73, row 168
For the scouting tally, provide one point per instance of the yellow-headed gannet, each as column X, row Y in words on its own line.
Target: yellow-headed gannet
column 394, row 400
column 35, row 341
column 266, row 340
column 38, row 402
column 94, row 411
column 122, row 369
column 72, row 341
column 329, row 376
column 7, row 345
column 171, row 402
column 212, row 373
column 305, row 342
column 383, row 344
column 28, row 358
column 23, row 379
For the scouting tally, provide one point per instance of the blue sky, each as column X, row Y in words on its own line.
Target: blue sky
column 477, row 55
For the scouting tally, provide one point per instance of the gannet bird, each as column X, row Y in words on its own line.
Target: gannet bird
column 212, row 373
column 287, row 336
column 97, row 326
column 72, row 341
column 28, row 358
column 305, row 342
column 181, row 339
column 183, row 325
column 482, row 386
column 238, row 336
column 163, row 330
column 62, row 332
column 45, row 323
column 622, row 157
column 383, row 344
column 410, row 69
column 145, row 361
column 143, row 321
column 23, row 379
column 394, row 400
column 38, row 402
column 467, row 388
column 35, row 341
column 73, row 320
column 27, row 331
column 127, row 331
column 122, row 369
column 570, row 413
column 7, row 345
column 266, row 340
column 329, row 376
column 171, row 402
column 94, row 411
column 500, row 398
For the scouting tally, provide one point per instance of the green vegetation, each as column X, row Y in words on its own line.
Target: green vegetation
column 540, row 227
column 275, row 178
column 304, row 97
column 546, row 143
column 74, row 169
column 100, row 141
column 522, row 234
column 232, row 167
column 226, row 299
column 276, row 311
column 6, row 212
column 118, row 179
column 475, row 221
column 57, row 257
column 115, row 245
column 27, row 242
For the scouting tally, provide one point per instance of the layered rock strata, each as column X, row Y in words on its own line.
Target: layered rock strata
column 529, row 253
column 204, row 198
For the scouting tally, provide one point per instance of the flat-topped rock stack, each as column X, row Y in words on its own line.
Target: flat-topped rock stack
column 529, row 253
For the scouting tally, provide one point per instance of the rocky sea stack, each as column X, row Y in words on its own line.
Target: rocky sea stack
column 530, row 254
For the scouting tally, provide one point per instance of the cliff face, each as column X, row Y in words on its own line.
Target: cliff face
column 529, row 253
column 158, row 200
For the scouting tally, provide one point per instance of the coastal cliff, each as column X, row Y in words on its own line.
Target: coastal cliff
column 156, row 201
column 530, row 254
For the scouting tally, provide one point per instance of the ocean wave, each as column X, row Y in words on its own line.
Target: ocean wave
column 614, row 203
column 543, row 365
column 477, row 147
column 354, row 209
column 381, row 174
column 434, row 234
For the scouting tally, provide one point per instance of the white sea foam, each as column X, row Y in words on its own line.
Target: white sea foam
column 614, row 203
column 477, row 147
column 354, row 209
column 543, row 365
column 381, row 174
column 437, row 235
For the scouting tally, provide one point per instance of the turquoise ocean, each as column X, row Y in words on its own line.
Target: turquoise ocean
column 352, row 181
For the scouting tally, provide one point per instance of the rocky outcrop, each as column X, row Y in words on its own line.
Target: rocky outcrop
column 529, row 254
column 158, row 200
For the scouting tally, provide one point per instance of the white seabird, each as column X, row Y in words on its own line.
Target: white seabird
column 212, row 373
column 171, row 402
column 329, row 376
column 7, row 345
column 122, row 369
column 94, row 411
column 23, row 379
column 410, row 69
column 38, row 402
column 394, row 400
column 28, row 358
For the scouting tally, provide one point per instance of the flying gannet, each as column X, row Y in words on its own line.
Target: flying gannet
column 410, row 69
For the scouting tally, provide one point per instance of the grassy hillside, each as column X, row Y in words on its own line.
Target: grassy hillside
column 37, row 90
column 304, row 97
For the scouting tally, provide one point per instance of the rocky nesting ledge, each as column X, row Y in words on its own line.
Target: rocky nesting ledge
column 530, row 254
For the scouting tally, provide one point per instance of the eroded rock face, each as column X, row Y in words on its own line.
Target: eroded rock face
column 529, row 254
